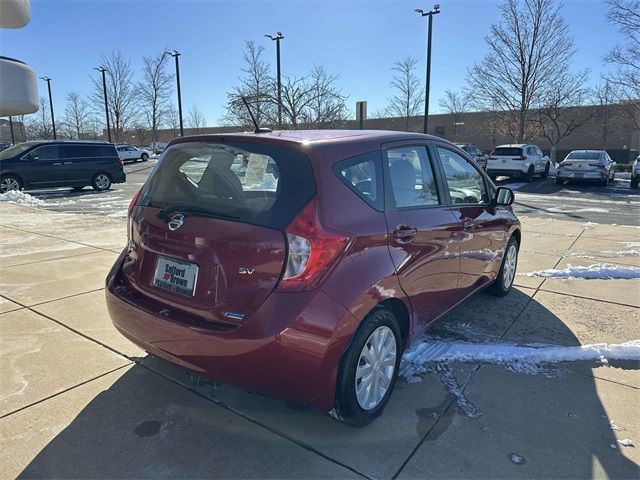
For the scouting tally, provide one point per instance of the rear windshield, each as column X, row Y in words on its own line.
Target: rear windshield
column 507, row 152
column 584, row 156
column 252, row 183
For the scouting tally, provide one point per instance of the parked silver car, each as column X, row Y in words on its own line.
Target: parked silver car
column 475, row 153
column 586, row 165
column 635, row 172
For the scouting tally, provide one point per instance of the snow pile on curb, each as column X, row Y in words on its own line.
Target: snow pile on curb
column 420, row 357
column 598, row 271
column 20, row 198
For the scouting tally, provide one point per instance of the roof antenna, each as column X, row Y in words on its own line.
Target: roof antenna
column 253, row 119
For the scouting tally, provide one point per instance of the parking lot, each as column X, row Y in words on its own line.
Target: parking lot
column 79, row 400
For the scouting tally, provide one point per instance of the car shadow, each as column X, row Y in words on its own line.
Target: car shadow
column 150, row 422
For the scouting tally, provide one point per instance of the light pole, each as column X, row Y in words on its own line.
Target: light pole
column 102, row 70
column 277, row 39
column 53, row 121
column 435, row 11
column 13, row 138
column 175, row 54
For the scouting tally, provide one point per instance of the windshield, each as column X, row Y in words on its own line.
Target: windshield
column 258, row 184
column 16, row 150
column 584, row 156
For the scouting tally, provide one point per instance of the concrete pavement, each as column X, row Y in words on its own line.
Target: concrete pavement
column 79, row 400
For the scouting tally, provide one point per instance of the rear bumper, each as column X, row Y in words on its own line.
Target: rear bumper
column 118, row 177
column 288, row 349
column 506, row 172
column 567, row 176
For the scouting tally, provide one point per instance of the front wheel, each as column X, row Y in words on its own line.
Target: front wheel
column 530, row 173
column 368, row 369
column 9, row 183
column 101, row 182
column 504, row 281
column 635, row 181
column 144, row 157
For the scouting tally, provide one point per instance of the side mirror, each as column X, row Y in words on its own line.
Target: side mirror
column 504, row 196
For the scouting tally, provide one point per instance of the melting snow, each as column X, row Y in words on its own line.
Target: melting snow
column 598, row 271
column 531, row 359
column 626, row 442
column 20, row 198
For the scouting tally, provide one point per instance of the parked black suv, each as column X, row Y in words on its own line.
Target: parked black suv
column 34, row 165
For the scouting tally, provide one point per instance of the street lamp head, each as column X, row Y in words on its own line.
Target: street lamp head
column 436, row 7
column 100, row 68
column 46, row 79
column 419, row 10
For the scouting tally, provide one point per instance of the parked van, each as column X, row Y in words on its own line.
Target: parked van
column 46, row 164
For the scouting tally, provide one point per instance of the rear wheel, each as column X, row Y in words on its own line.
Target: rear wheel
column 101, row 181
column 530, row 173
column 368, row 369
column 507, row 273
column 604, row 182
column 559, row 181
column 144, row 157
column 545, row 174
column 634, row 181
column 10, row 182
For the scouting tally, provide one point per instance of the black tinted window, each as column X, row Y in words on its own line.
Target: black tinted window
column 258, row 184
column 49, row 152
column 507, row 152
column 362, row 175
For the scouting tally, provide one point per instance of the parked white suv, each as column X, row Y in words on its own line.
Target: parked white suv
column 518, row 160
column 129, row 152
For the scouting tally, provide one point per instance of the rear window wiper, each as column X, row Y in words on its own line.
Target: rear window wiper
column 186, row 208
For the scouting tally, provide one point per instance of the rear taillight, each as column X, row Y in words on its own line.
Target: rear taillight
column 121, row 162
column 134, row 200
column 599, row 165
column 312, row 250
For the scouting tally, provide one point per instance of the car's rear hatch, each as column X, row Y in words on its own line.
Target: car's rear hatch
column 582, row 161
column 506, row 158
column 206, row 234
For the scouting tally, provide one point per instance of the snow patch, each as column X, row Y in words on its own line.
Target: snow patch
column 626, row 442
column 529, row 359
column 20, row 198
column 597, row 271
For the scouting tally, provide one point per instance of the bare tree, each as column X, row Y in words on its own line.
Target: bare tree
column 256, row 85
column 155, row 89
column 625, row 14
column 409, row 94
column 604, row 97
column 122, row 94
column 455, row 104
column 327, row 107
column 173, row 120
column 42, row 126
column 141, row 134
column 76, row 115
column 528, row 50
column 560, row 114
column 195, row 120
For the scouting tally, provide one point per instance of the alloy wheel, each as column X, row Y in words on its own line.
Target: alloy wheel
column 509, row 267
column 102, row 181
column 376, row 366
column 9, row 184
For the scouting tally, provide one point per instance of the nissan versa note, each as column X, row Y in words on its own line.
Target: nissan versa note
column 301, row 264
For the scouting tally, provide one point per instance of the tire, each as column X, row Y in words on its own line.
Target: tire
column 144, row 157
column 634, row 182
column 349, row 408
column 545, row 174
column 101, row 181
column 604, row 182
column 504, row 281
column 9, row 183
column 530, row 174
column 559, row 181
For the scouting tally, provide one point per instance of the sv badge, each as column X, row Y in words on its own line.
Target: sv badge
column 246, row 271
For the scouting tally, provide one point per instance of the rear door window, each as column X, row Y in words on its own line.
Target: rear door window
column 362, row 175
column 252, row 183
column 48, row 152
column 411, row 174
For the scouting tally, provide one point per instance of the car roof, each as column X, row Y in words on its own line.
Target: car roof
column 81, row 142
column 513, row 145
column 307, row 137
column 587, row 151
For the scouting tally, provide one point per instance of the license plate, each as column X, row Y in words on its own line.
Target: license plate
column 504, row 160
column 176, row 276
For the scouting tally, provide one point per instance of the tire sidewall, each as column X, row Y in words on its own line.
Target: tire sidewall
column 144, row 157
column 347, row 406
column 17, row 179
column 499, row 287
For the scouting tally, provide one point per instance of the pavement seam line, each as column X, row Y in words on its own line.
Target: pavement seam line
column 49, row 259
column 565, row 369
column 250, row 419
column 47, row 301
column 84, row 382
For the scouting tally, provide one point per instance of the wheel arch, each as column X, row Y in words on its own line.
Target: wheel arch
column 10, row 173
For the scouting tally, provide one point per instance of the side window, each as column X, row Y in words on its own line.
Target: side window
column 49, row 152
column 362, row 175
column 531, row 151
column 539, row 151
column 77, row 151
column 464, row 181
column 412, row 180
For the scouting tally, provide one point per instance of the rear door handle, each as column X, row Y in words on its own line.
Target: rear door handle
column 404, row 233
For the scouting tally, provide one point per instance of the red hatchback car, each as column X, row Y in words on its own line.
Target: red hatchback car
column 301, row 264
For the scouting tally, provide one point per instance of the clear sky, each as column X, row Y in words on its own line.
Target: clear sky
column 359, row 40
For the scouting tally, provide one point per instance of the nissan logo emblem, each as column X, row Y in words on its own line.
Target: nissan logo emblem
column 176, row 222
